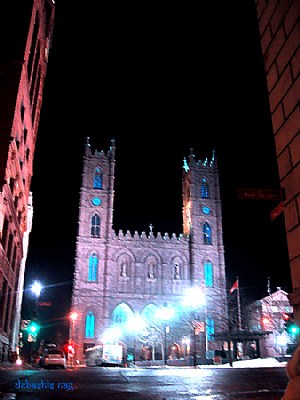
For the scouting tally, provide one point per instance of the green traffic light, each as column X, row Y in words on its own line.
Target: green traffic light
column 33, row 328
column 295, row 330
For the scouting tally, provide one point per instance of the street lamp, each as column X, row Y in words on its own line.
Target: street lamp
column 165, row 313
column 136, row 324
column 36, row 288
column 73, row 317
column 34, row 327
column 112, row 335
column 71, row 350
column 194, row 299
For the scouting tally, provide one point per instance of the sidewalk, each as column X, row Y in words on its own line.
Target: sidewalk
column 9, row 365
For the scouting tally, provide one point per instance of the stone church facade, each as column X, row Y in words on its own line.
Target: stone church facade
column 120, row 277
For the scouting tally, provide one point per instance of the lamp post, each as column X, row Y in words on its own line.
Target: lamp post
column 36, row 289
column 194, row 299
column 136, row 324
column 71, row 351
column 33, row 331
column 165, row 313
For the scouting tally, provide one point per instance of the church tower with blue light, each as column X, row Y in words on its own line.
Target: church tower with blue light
column 121, row 278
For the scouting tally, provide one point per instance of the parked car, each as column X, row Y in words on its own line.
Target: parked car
column 53, row 358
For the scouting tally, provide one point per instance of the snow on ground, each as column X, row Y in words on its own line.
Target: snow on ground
column 255, row 363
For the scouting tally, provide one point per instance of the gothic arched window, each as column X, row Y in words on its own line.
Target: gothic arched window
column 204, row 189
column 98, row 179
column 149, row 312
column 122, row 314
column 208, row 274
column 93, row 268
column 90, row 325
column 95, row 228
column 207, row 239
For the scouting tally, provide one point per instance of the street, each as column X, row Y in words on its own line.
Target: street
column 89, row 383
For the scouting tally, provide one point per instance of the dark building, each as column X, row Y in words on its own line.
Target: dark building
column 280, row 37
column 122, row 278
column 26, row 33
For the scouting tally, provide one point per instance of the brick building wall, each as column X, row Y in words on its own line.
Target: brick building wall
column 279, row 28
column 26, row 32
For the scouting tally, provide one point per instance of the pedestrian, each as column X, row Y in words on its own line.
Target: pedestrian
column 292, row 391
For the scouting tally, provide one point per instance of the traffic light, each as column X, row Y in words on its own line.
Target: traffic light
column 33, row 328
column 289, row 325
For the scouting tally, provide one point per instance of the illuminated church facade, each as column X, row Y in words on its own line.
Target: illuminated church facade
column 121, row 278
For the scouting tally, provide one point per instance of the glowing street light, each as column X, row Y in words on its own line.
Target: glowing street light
column 165, row 313
column 34, row 327
column 194, row 300
column 194, row 297
column 36, row 288
column 111, row 335
column 71, row 347
column 74, row 316
column 136, row 325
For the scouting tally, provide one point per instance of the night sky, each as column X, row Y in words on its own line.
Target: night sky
column 159, row 80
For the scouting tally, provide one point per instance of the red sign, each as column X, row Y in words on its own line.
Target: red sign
column 44, row 304
column 277, row 210
column 261, row 194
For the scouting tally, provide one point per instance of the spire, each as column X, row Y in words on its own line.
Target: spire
column 268, row 286
column 212, row 161
column 112, row 147
column 191, row 156
column 185, row 165
column 87, row 146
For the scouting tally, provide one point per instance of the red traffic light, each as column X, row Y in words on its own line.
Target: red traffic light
column 286, row 316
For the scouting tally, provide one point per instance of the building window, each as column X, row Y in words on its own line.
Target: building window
column 90, row 325
column 12, row 185
column 149, row 313
column 10, row 247
column 14, row 259
column 204, row 189
column 207, row 234
column 208, row 274
column 22, row 111
column 177, row 272
column 98, row 179
column 151, row 268
column 95, row 228
column 25, row 135
column 210, row 329
column 5, row 233
column 93, row 268
column 123, row 271
column 122, row 314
